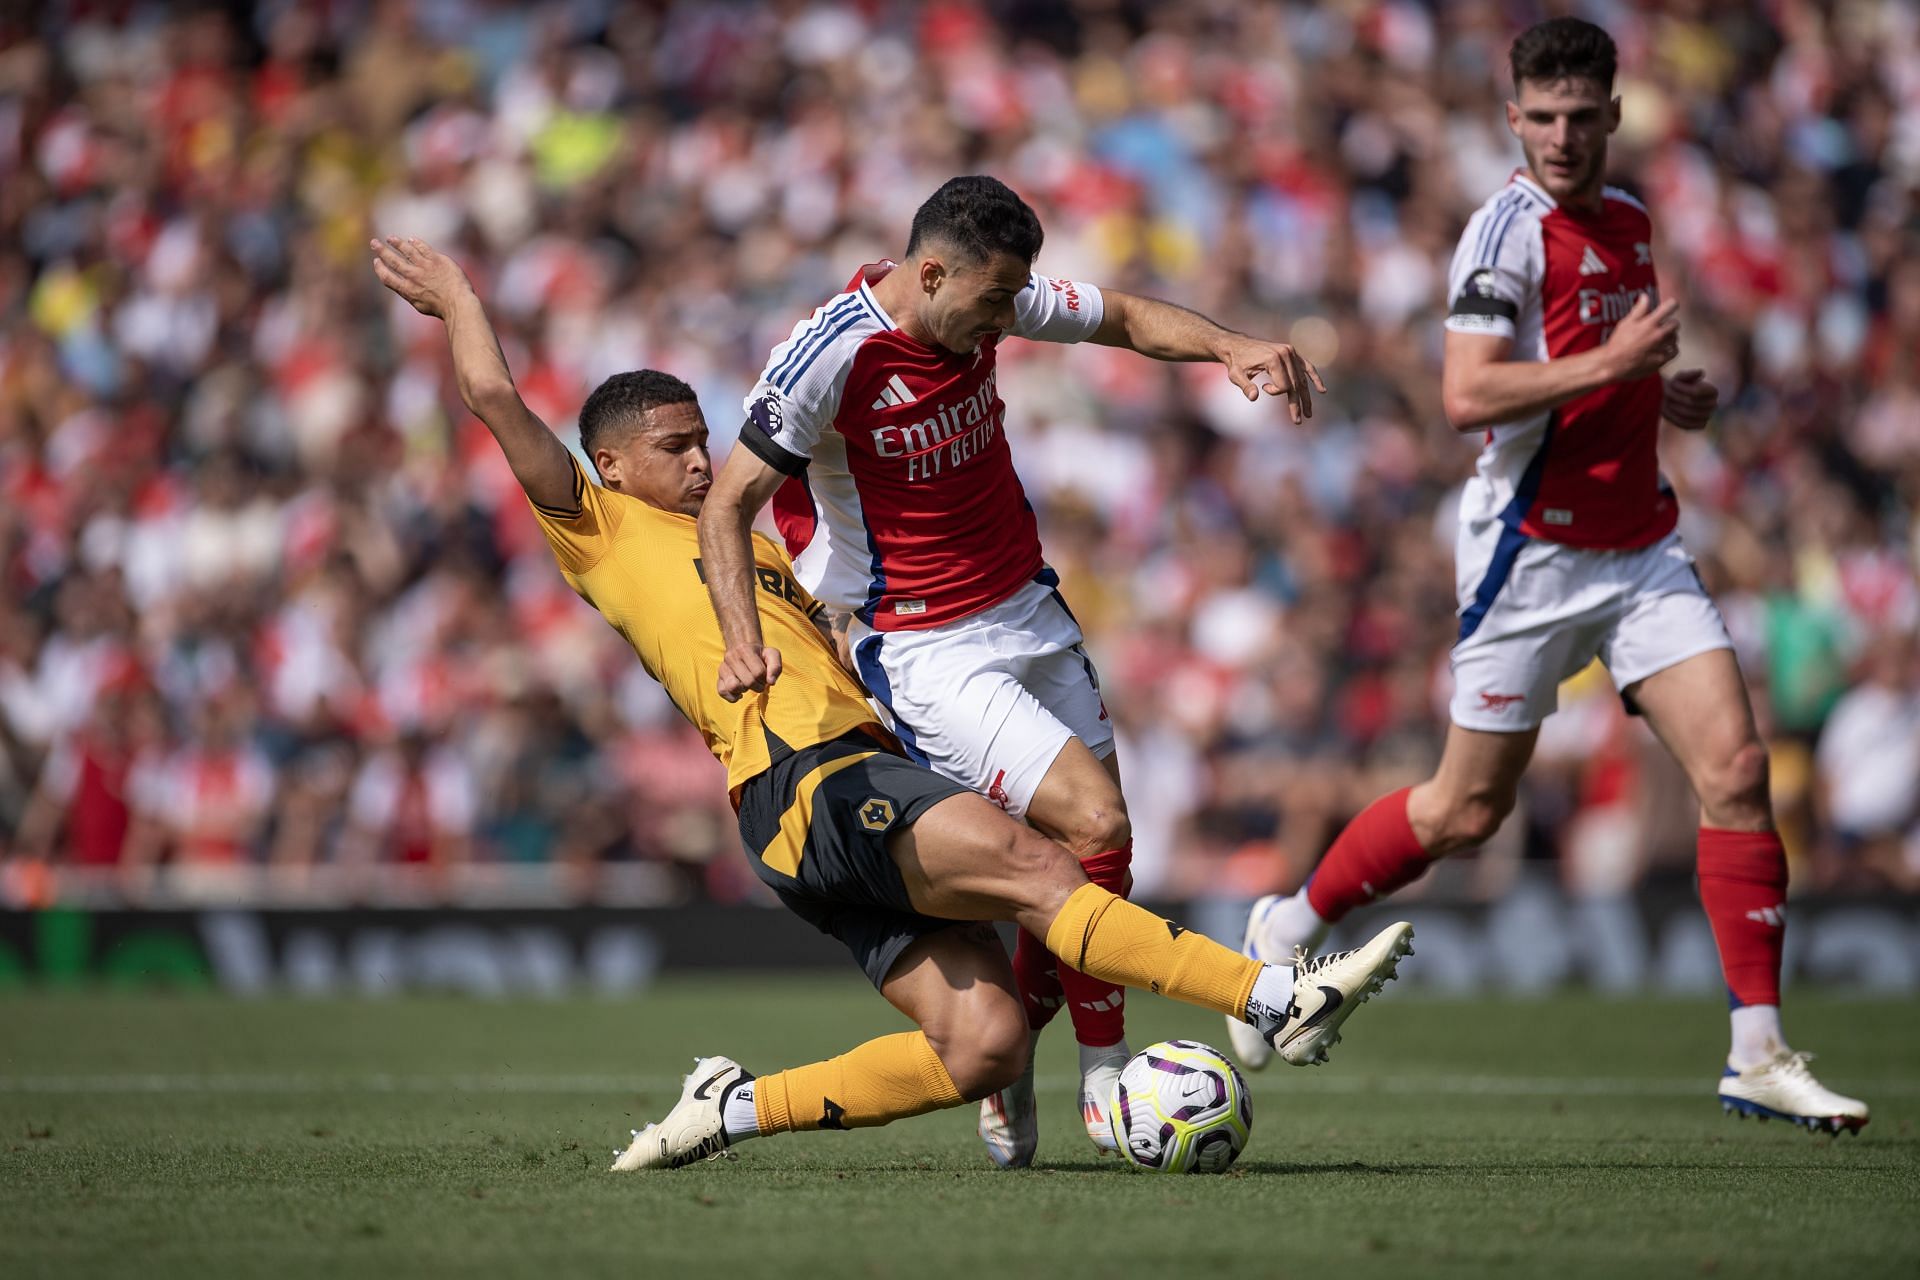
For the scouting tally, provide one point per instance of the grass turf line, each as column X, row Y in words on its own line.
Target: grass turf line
column 1364, row 1175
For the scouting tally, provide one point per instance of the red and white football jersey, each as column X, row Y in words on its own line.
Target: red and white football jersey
column 903, row 505
column 1556, row 281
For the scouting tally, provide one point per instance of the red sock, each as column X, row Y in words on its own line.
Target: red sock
column 1098, row 1008
column 1036, row 975
column 1743, row 886
column 1376, row 854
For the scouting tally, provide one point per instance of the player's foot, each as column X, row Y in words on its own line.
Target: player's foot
column 1248, row 1044
column 1097, row 1079
column 1327, row 989
column 693, row 1130
column 1010, row 1122
column 1783, row 1089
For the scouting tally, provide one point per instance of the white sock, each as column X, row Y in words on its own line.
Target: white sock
column 1093, row 1056
column 737, row 1115
column 1272, row 993
column 1757, row 1036
column 1289, row 923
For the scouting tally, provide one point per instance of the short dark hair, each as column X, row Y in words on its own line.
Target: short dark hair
column 1562, row 47
column 978, row 217
column 619, row 404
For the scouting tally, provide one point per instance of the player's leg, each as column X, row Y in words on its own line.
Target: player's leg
column 868, row 847
column 955, row 983
column 964, row 860
column 1079, row 804
column 1007, row 704
column 1390, row 845
column 1699, row 709
column 1527, row 621
column 953, row 980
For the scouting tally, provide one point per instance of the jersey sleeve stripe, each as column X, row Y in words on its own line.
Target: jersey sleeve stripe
column 1500, row 236
column 822, row 327
column 872, row 308
column 792, row 379
column 1500, row 207
column 579, row 492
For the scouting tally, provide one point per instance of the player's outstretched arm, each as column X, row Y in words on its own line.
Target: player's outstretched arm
column 434, row 285
column 1481, row 386
column 1168, row 332
column 743, row 487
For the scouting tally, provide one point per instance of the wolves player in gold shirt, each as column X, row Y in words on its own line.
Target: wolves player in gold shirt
column 899, row 864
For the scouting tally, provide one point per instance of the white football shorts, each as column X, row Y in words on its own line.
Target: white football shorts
column 1533, row 613
column 990, row 699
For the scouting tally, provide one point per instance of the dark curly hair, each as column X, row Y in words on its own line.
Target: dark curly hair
column 977, row 217
column 619, row 404
column 1563, row 47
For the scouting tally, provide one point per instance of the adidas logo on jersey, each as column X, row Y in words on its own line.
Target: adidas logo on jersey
column 895, row 395
column 1590, row 263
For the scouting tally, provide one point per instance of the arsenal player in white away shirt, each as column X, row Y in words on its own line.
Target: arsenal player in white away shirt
column 903, row 507
column 1556, row 336
column 877, row 431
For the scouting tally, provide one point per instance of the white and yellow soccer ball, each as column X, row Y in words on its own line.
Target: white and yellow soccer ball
column 1180, row 1107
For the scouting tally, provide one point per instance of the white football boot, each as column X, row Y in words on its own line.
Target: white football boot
column 693, row 1130
column 1328, row 988
column 1097, row 1079
column 1783, row 1089
column 1010, row 1122
column 1248, row 1044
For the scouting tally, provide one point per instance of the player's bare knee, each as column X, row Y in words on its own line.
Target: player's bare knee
column 1098, row 827
column 1736, row 792
column 984, row 1044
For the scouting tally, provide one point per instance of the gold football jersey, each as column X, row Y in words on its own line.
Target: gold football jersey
column 640, row 567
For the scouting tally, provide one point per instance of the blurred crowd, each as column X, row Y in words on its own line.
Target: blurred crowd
column 273, row 601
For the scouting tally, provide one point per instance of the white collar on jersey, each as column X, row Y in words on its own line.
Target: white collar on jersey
column 1520, row 179
column 866, row 292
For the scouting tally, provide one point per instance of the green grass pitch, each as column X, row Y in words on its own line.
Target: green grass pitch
column 196, row 1136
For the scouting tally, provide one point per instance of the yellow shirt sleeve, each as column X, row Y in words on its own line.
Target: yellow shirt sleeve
column 582, row 538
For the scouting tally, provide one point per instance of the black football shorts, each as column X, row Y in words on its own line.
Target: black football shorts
column 815, row 825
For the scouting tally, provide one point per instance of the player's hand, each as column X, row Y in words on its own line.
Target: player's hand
column 1645, row 339
column 748, row 667
column 1689, row 399
column 414, row 269
column 1275, row 368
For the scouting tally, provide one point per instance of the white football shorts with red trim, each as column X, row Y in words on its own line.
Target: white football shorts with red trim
column 990, row 699
column 1533, row 613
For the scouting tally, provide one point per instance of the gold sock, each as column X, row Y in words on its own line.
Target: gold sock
column 880, row 1081
column 1105, row 936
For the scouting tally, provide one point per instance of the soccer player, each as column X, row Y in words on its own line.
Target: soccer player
column 1567, row 551
column 876, row 431
column 895, row 861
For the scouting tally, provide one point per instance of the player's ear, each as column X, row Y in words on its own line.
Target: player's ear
column 933, row 274
column 607, row 463
column 1513, row 117
column 1613, row 114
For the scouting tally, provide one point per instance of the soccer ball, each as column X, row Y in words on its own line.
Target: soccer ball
column 1180, row 1107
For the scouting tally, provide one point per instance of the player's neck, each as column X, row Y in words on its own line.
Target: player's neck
column 1590, row 199
column 894, row 293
